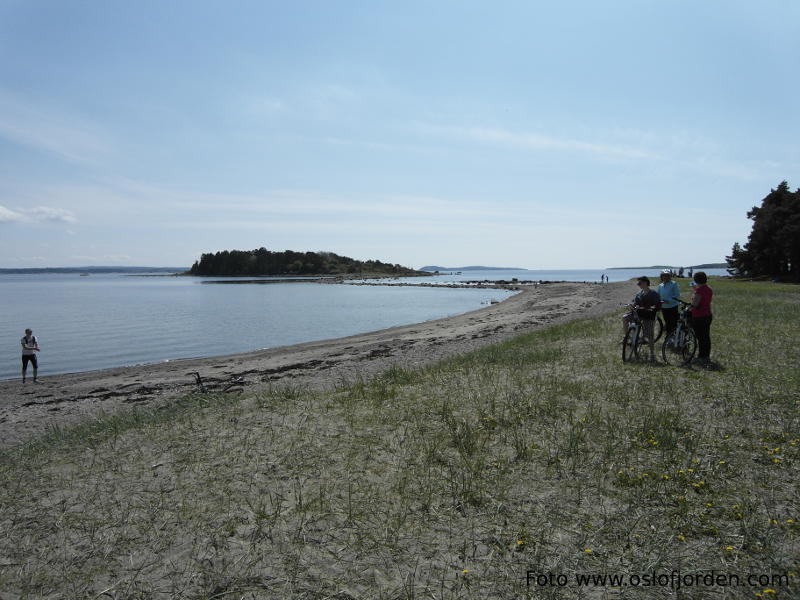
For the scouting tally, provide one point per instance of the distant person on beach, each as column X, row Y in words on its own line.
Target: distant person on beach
column 669, row 292
column 701, row 316
column 646, row 304
column 30, row 346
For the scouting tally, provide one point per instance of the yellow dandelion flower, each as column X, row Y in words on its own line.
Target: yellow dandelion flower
column 690, row 470
column 722, row 462
column 790, row 521
column 773, row 521
column 770, row 591
column 682, row 538
column 464, row 571
column 588, row 551
column 709, row 504
column 729, row 548
column 665, row 477
column 520, row 542
column 777, row 461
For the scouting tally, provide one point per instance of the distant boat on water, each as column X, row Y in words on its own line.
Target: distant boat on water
column 84, row 274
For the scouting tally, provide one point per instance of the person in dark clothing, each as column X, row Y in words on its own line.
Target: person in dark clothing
column 701, row 316
column 646, row 304
column 30, row 346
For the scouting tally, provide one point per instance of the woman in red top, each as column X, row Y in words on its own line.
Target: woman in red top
column 701, row 316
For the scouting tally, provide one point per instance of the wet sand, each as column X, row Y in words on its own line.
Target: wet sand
column 29, row 410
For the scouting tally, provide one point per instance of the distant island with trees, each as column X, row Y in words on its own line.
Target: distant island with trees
column 263, row 262
column 434, row 268
column 695, row 267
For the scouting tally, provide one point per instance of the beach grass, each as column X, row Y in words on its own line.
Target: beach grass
column 487, row 475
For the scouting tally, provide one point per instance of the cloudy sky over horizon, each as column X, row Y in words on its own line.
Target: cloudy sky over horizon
column 538, row 135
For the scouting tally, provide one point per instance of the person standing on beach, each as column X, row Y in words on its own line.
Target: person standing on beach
column 669, row 292
column 30, row 346
column 701, row 316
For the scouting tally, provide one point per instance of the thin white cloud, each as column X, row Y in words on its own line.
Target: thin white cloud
column 28, row 259
column 9, row 216
column 97, row 259
column 267, row 205
column 264, row 105
column 36, row 214
column 537, row 141
column 46, row 213
column 45, row 128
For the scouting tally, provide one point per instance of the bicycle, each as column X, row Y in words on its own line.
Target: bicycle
column 635, row 337
column 679, row 348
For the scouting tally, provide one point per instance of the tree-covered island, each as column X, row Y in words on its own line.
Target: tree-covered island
column 263, row 262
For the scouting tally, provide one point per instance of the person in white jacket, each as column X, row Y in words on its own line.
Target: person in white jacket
column 669, row 292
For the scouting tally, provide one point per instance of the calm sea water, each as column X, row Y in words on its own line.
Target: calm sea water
column 101, row 321
column 588, row 275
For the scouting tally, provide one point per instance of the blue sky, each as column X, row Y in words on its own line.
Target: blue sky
column 531, row 134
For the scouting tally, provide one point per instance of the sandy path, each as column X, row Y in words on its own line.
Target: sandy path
column 28, row 410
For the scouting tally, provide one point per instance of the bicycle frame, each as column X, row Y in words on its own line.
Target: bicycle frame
column 682, row 343
column 634, row 337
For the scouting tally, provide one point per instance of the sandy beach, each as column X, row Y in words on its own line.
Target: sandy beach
column 30, row 410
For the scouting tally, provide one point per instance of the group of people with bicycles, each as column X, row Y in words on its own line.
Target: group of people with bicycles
column 648, row 302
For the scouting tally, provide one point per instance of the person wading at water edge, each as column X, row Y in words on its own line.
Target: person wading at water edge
column 30, row 346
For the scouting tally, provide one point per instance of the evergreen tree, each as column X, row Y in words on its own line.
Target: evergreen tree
column 773, row 247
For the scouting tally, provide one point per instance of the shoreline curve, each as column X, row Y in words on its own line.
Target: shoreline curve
column 27, row 411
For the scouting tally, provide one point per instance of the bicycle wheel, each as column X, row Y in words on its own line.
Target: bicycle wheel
column 680, row 347
column 670, row 349
column 689, row 347
column 630, row 345
column 658, row 329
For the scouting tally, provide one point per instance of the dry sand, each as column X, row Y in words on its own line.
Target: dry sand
column 29, row 410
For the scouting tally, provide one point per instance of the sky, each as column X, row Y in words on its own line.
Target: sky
column 570, row 134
